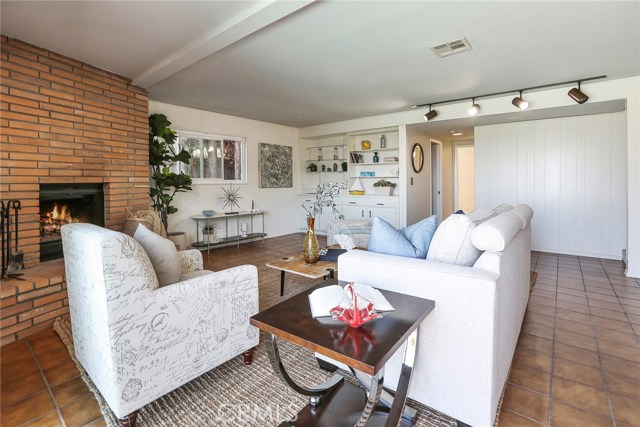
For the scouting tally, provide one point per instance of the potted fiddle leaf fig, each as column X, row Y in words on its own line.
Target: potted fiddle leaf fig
column 384, row 187
column 162, row 156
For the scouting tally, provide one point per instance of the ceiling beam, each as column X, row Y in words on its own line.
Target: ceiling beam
column 253, row 19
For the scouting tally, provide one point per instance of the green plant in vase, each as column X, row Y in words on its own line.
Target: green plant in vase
column 162, row 156
column 324, row 199
column 208, row 233
column 384, row 187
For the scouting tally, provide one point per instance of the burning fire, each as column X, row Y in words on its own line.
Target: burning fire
column 56, row 218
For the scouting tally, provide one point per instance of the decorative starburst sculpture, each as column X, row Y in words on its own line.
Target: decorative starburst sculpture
column 231, row 198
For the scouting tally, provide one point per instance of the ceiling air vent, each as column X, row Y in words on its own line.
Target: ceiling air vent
column 452, row 47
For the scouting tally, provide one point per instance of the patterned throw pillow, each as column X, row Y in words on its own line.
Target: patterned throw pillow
column 162, row 254
column 412, row 241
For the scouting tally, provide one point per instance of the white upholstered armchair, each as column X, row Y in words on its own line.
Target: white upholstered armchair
column 138, row 341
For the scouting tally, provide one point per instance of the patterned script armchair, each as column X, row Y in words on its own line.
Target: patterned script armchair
column 138, row 341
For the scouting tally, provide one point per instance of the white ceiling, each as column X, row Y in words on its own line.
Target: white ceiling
column 301, row 63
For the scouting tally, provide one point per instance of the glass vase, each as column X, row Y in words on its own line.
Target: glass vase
column 311, row 251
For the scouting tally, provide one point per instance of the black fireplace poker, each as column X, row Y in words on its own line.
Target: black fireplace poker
column 12, row 259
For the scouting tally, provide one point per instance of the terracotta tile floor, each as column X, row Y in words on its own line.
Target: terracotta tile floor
column 577, row 362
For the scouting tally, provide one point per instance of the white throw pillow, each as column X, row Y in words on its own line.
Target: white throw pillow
column 452, row 241
column 162, row 254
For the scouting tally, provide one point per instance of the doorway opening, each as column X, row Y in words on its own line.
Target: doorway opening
column 464, row 176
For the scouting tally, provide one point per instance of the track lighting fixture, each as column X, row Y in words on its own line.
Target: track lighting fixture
column 519, row 102
column 577, row 95
column 473, row 110
column 430, row 115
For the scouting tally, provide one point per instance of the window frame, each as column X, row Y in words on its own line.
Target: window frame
column 214, row 136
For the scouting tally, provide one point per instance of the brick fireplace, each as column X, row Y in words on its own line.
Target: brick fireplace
column 66, row 123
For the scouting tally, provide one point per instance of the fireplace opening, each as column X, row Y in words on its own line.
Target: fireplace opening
column 66, row 203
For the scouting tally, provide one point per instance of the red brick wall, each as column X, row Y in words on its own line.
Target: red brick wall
column 63, row 121
column 32, row 304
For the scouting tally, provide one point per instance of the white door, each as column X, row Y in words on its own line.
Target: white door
column 464, row 177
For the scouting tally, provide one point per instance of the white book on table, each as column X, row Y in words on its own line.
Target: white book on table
column 322, row 300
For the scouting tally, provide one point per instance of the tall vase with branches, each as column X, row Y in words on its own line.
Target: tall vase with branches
column 324, row 199
column 162, row 156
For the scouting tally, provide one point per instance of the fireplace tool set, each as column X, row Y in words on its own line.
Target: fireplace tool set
column 12, row 258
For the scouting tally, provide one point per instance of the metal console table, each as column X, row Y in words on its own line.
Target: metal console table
column 202, row 221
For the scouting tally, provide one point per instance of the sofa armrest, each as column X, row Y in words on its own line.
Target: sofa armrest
column 191, row 260
column 178, row 332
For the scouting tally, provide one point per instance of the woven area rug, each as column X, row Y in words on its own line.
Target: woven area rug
column 233, row 394
column 533, row 276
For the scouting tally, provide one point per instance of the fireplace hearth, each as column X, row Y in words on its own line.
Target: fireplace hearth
column 62, row 204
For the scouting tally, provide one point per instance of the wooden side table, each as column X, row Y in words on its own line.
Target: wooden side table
column 296, row 265
column 365, row 350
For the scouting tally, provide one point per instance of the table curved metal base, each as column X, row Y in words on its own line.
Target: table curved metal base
column 373, row 384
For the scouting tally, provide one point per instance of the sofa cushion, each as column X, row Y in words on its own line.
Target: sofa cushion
column 524, row 212
column 452, row 241
column 193, row 274
column 502, row 208
column 496, row 233
column 162, row 254
column 412, row 241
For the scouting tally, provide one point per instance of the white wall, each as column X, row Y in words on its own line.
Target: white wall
column 464, row 178
column 279, row 204
column 627, row 89
column 571, row 171
column 418, row 193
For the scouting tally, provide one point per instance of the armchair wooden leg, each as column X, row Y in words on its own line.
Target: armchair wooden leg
column 248, row 356
column 129, row 420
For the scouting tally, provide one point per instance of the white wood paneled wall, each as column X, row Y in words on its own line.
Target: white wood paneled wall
column 571, row 171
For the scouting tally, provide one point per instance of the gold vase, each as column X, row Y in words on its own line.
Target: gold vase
column 311, row 251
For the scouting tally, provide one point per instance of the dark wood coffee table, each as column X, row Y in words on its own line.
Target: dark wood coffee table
column 365, row 350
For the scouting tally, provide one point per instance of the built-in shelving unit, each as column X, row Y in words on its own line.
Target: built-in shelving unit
column 361, row 159
column 330, row 153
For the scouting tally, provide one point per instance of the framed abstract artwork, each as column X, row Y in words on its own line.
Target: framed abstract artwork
column 276, row 166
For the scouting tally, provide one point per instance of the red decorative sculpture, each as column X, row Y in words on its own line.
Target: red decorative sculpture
column 353, row 315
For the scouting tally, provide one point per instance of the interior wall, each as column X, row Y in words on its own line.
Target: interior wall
column 571, row 171
column 627, row 89
column 279, row 204
column 418, row 184
column 464, row 179
column 447, row 179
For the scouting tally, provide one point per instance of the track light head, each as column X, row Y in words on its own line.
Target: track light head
column 520, row 103
column 473, row 110
column 430, row 115
column 577, row 95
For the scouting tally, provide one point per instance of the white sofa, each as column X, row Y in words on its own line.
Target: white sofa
column 138, row 341
column 467, row 343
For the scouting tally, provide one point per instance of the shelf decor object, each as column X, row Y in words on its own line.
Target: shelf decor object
column 324, row 199
column 366, row 144
column 356, row 188
column 384, row 187
column 311, row 252
column 231, row 199
column 276, row 166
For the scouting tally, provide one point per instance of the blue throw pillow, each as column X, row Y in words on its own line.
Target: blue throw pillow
column 412, row 241
column 459, row 212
